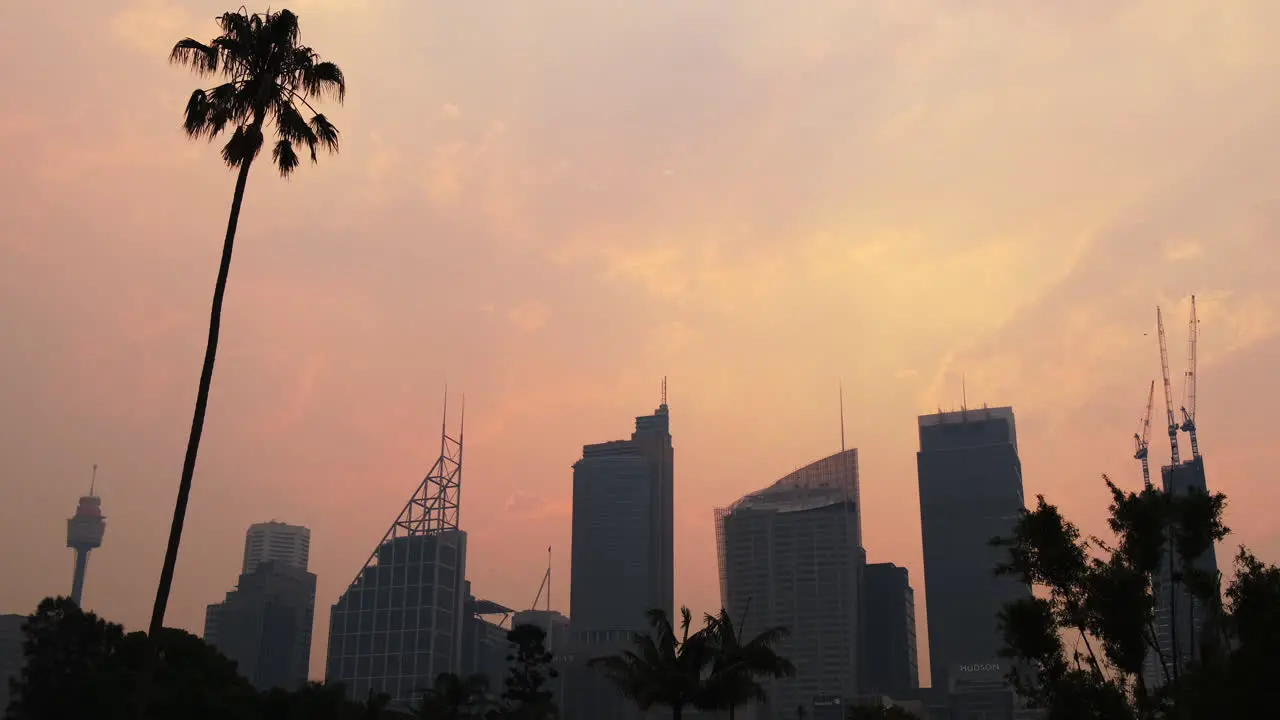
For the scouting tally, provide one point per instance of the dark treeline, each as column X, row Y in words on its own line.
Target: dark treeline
column 78, row 665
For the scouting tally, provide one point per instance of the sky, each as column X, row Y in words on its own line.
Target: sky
column 551, row 206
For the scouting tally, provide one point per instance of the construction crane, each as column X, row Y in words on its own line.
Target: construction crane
column 1189, row 383
column 1175, row 459
column 1140, row 438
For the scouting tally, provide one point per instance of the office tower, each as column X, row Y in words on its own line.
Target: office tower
column 791, row 555
column 622, row 555
column 288, row 544
column 888, row 660
column 1179, row 616
column 11, row 657
column 84, row 533
column 484, row 642
column 970, row 492
column 400, row 622
column 265, row 625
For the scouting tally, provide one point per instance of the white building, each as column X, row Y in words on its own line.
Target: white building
column 288, row 544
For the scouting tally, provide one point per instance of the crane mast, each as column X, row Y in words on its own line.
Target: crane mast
column 1189, row 382
column 1140, row 437
column 1175, row 459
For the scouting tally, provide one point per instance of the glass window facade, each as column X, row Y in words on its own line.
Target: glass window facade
column 399, row 625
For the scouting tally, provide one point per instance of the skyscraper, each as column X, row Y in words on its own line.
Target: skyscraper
column 888, row 660
column 265, row 625
column 400, row 622
column 11, row 657
column 288, row 544
column 623, row 555
column 1179, row 616
column 791, row 555
column 970, row 492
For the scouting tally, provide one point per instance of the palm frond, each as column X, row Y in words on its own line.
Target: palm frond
column 325, row 79
column 243, row 146
column 195, row 119
column 285, row 157
column 196, row 55
column 269, row 78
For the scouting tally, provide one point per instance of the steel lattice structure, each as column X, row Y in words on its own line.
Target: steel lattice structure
column 436, row 505
column 399, row 624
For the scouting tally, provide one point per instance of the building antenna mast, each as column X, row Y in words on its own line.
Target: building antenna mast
column 664, row 389
column 841, row 416
column 93, row 479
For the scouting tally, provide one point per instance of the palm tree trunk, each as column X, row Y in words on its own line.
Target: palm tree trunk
column 202, row 402
column 731, row 707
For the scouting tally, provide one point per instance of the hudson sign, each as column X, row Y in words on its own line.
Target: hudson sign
column 980, row 667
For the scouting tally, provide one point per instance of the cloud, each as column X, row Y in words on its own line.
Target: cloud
column 529, row 317
column 153, row 26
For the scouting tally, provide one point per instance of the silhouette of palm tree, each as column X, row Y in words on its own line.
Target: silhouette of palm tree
column 269, row 77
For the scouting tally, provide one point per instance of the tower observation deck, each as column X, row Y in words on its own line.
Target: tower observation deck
column 84, row 533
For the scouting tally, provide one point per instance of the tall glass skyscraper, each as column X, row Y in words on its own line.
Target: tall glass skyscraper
column 400, row 623
column 970, row 492
column 791, row 555
column 623, row 556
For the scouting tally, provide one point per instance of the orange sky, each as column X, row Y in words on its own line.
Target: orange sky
column 551, row 205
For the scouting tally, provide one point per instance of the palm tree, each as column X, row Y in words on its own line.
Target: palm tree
column 269, row 77
column 738, row 667
column 451, row 698
column 662, row 669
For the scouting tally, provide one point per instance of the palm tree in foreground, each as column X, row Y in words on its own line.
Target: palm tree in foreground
column 738, row 667
column 663, row 669
column 269, row 77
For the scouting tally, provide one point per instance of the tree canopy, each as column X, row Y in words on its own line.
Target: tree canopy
column 1086, row 645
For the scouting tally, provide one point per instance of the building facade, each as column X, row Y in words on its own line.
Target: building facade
column 970, row 492
column 400, row 623
column 791, row 555
column 286, row 544
column 265, row 625
column 889, row 660
column 484, row 642
column 11, row 655
column 623, row 555
column 1179, row 616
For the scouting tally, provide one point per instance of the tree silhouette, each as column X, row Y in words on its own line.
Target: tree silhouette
column 1081, row 646
column 78, row 665
column 451, row 697
column 663, row 669
column 738, row 667
column 269, row 77
column 525, row 694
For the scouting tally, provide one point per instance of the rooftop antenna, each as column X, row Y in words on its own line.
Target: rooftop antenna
column 664, row 389
column 964, row 394
column 841, row 416
column 444, row 419
column 93, row 479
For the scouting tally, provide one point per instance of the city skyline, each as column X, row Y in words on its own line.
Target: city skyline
column 557, row 245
